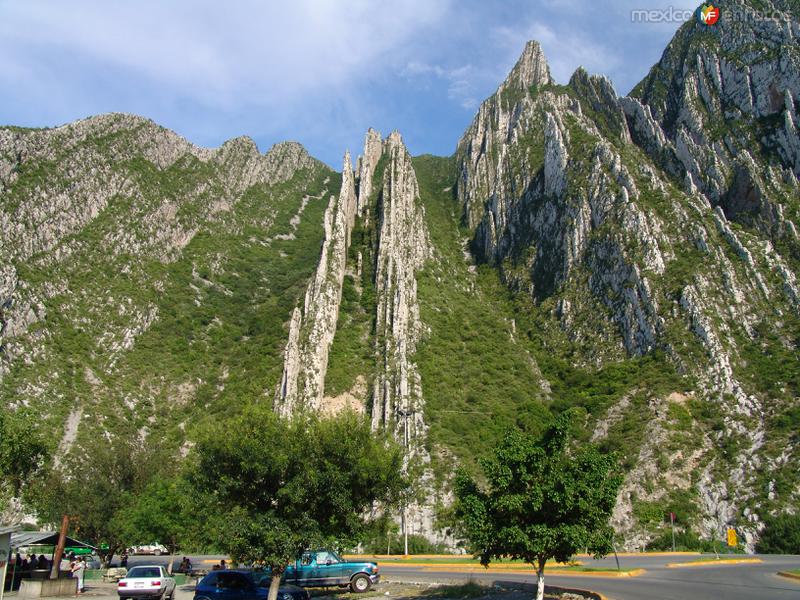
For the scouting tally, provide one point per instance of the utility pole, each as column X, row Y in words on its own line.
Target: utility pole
column 672, row 524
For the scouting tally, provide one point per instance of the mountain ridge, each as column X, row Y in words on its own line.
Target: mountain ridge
column 575, row 251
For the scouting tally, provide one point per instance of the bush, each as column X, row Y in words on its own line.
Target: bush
column 688, row 541
column 781, row 535
column 684, row 541
column 417, row 544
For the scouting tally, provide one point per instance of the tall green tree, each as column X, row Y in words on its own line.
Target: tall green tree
column 22, row 453
column 161, row 512
column 284, row 485
column 542, row 500
column 92, row 485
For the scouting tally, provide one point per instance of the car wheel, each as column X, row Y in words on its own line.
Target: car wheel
column 157, row 552
column 360, row 583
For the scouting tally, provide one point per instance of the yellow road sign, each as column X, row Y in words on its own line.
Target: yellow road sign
column 732, row 542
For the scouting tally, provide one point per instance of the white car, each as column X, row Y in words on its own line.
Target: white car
column 149, row 581
column 155, row 549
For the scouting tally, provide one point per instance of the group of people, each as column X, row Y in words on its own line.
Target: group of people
column 221, row 566
column 185, row 566
column 31, row 563
column 73, row 566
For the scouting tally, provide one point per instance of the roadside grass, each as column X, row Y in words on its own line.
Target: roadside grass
column 710, row 560
column 470, row 589
column 721, row 558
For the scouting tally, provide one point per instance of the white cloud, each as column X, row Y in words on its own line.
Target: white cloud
column 214, row 51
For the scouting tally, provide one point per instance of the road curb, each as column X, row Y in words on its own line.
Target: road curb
column 714, row 563
column 465, row 566
column 788, row 575
column 548, row 589
column 552, row 572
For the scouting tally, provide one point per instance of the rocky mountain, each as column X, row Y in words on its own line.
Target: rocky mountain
column 635, row 257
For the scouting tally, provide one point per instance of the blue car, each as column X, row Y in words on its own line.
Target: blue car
column 243, row 585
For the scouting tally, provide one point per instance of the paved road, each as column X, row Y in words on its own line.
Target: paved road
column 731, row 582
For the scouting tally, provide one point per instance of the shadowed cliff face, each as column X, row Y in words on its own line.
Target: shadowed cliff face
column 664, row 222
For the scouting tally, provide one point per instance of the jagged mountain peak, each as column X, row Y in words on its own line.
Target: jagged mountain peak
column 530, row 69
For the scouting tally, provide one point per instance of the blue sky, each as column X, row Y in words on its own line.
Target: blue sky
column 316, row 71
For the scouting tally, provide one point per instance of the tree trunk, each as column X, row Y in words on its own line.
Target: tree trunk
column 273, row 587
column 540, row 579
column 105, row 557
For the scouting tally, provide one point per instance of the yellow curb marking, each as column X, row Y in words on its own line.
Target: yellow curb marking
column 553, row 571
column 457, row 566
column 722, row 561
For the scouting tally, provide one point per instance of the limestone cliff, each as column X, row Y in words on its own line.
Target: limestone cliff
column 403, row 247
column 310, row 336
column 602, row 209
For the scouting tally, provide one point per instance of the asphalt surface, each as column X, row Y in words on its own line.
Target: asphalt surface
column 755, row 581
column 751, row 581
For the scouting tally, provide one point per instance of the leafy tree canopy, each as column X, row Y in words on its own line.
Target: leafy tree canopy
column 21, row 452
column 92, row 487
column 284, row 485
column 161, row 512
column 542, row 500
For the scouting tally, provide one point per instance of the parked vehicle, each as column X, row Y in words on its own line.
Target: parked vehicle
column 243, row 584
column 323, row 568
column 154, row 549
column 78, row 551
column 150, row 581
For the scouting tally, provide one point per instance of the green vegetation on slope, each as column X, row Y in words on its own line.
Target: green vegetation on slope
column 209, row 318
column 477, row 379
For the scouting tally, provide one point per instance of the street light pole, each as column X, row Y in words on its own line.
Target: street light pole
column 405, row 413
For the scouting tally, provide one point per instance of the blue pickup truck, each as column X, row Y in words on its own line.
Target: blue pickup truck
column 323, row 568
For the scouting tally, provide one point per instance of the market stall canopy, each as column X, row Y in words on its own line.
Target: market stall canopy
column 23, row 539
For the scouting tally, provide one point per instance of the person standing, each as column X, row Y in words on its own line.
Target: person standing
column 65, row 566
column 78, row 571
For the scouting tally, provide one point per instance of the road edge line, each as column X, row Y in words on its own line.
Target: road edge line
column 788, row 575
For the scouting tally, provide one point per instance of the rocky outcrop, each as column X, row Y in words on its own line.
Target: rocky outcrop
column 310, row 336
column 403, row 247
column 588, row 202
column 365, row 166
column 498, row 119
column 717, row 100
